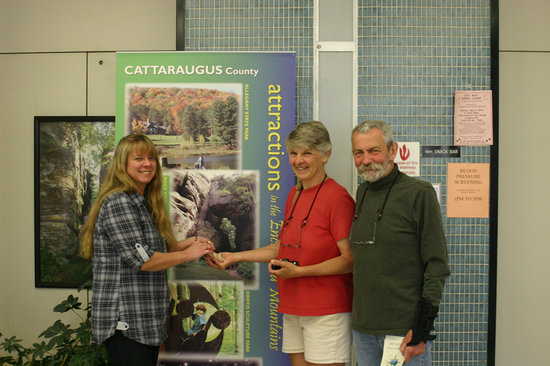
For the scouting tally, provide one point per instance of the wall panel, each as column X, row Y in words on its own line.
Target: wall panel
column 48, row 85
column 523, row 289
column 76, row 25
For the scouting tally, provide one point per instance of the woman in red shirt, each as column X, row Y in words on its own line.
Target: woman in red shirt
column 312, row 258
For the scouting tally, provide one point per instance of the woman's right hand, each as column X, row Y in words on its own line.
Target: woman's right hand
column 186, row 243
column 198, row 249
column 220, row 260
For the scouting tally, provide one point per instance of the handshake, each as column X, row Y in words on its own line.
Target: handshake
column 216, row 256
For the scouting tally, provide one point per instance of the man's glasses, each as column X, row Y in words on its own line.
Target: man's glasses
column 378, row 213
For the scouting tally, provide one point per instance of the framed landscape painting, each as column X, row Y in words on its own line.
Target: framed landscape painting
column 71, row 156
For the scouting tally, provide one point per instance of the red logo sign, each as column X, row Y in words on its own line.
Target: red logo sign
column 404, row 153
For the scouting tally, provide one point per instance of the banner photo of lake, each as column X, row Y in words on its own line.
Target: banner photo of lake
column 219, row 121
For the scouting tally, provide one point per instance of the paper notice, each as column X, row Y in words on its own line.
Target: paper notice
column 392, row 356
column 473, row 119
column 468, row 190
column 408, row 158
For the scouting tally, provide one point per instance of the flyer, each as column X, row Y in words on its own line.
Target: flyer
column 468, row 190
column 473, row 117
column 392, row 355
column 408, row 158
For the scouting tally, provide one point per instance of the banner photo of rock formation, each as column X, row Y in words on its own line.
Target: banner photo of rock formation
column 221, row 205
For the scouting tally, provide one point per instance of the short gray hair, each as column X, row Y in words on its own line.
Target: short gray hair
column 368, row 125
column 310, row 135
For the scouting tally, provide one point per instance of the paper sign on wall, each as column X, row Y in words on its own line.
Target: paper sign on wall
column 473, row 118
column 468, row 190
column 408, row 158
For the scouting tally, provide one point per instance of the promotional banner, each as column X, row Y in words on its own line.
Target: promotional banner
column 219, row 121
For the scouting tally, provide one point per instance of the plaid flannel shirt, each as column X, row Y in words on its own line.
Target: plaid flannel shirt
column 123, row 296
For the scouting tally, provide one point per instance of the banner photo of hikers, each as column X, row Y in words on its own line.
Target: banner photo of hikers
column 218, row 121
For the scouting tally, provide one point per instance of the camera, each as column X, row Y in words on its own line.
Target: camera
column 274, row 266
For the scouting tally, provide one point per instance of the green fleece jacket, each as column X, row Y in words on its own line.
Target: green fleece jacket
column 408, row 259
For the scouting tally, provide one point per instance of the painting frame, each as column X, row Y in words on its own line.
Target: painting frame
column 71, row 154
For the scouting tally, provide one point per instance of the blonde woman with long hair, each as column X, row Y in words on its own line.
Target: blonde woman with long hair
column 129, row 237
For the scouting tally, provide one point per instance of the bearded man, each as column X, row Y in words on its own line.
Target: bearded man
column 399, row 250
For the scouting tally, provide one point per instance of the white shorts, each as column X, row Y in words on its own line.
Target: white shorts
column 322, row 339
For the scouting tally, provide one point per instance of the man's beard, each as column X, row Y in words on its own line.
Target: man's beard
column 375, row 171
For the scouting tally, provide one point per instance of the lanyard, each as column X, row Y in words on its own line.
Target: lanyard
column 310, row 207
column 381, row 209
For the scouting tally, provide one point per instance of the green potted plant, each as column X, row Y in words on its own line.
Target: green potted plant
column 64, row 344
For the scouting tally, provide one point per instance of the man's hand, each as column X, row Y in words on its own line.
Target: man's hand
column 411, row 351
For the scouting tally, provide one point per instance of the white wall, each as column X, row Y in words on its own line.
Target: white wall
column 523, row 284
column 49, row 65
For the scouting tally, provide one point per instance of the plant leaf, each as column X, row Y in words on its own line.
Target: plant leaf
column 40, row 349
column 70, row 304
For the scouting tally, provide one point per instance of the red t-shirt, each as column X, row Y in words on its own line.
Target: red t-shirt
column 329, row 221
